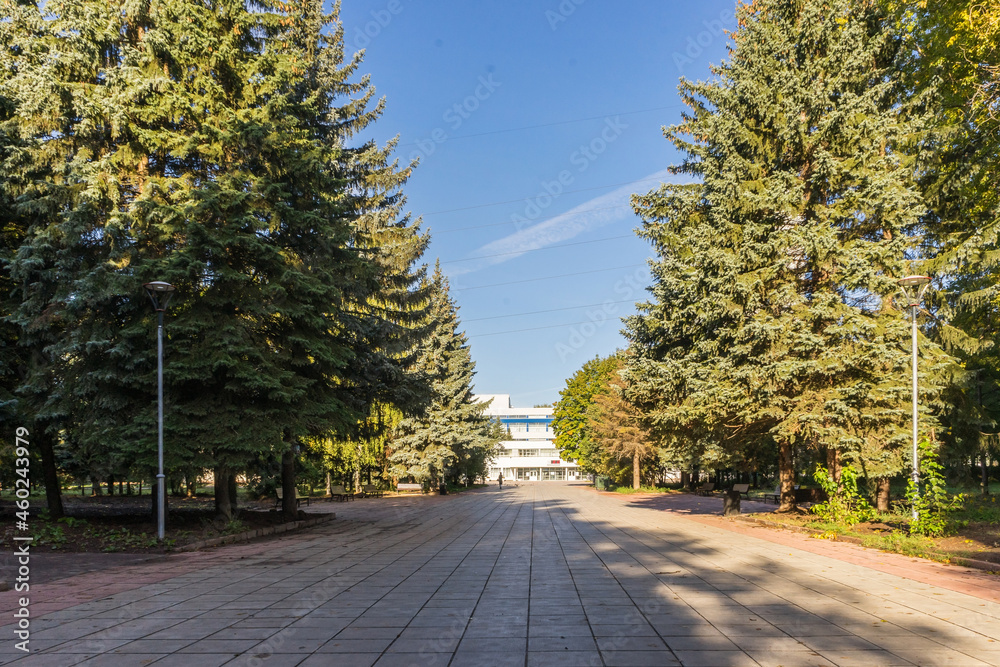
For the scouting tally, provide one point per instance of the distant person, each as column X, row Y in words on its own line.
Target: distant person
column 500, row 480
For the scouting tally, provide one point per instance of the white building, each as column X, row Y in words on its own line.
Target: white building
column 530, row 452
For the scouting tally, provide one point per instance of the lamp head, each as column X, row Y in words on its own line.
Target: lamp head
column 160, row 293
column 914, row 288
column 914, row 281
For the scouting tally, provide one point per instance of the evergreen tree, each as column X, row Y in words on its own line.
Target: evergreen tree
column 451, row 435
column 787, row 252
column 205, row 145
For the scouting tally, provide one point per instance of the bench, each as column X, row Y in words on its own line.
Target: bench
column 776, row 496
column 743, row 490
column 410, row 487
column 279, row 493
column 706, row 489
column 371, row 491
column 340, row 493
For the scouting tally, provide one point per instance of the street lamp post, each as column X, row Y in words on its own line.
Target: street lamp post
column 160, row 293
column 913, row 289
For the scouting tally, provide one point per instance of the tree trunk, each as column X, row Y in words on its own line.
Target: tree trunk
column 233, row 495
column 786, row 473
column 985, row 476
column 95, row 487
column 329, row 484
column 685, row 480
column 223, row 506
column 882, row 494
column 635, row 471
column 111, row 485
column 53, row 492
column 833, row 465
column 288, row 505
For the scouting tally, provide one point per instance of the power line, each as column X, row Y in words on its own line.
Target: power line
column 560, row 275
column 537, row 222
column 550, row 310
column 558, row 122
column 551, row 326
column 550, row 247
column 514, row 201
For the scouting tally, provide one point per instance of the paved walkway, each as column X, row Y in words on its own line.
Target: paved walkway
column 546, row 574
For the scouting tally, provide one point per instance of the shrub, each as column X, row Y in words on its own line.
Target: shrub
column 932, row 506
column 844, row 506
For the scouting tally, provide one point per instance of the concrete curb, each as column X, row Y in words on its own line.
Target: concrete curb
column 259, row 532
column 952, row 560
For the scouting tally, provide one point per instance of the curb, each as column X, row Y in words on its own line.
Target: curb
column 259, row 532
column 961, row 561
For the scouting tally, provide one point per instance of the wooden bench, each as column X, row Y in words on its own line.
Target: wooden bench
column 706, row 489
column 410, row 487
column 340, row 493
column 299, row 497
column 371, row 491
column 743, row 490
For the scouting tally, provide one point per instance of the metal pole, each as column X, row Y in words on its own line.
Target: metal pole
column 162, row 500
column 916, row 472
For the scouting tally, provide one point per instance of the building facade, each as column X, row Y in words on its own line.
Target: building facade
column 530, row 453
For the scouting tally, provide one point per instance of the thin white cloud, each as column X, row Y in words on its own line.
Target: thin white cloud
column 593, row 214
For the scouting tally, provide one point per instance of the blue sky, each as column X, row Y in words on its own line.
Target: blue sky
column 534, row 121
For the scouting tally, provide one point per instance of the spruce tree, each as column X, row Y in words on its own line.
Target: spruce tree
column 451, row 433
column 786, row 253
column 206, row 145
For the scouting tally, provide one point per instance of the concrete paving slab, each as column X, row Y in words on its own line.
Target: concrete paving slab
column 542, row 574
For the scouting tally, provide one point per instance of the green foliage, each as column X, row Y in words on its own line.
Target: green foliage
column 120, row 539
column 50, row 535
column 901, row 543
column 975, row 508
column 450, row 439
column 135, row 148
column 627, row 490
column 844, row 505
column 770, row 325
column 571, row 417
column 932, row 502
column 615, row 426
